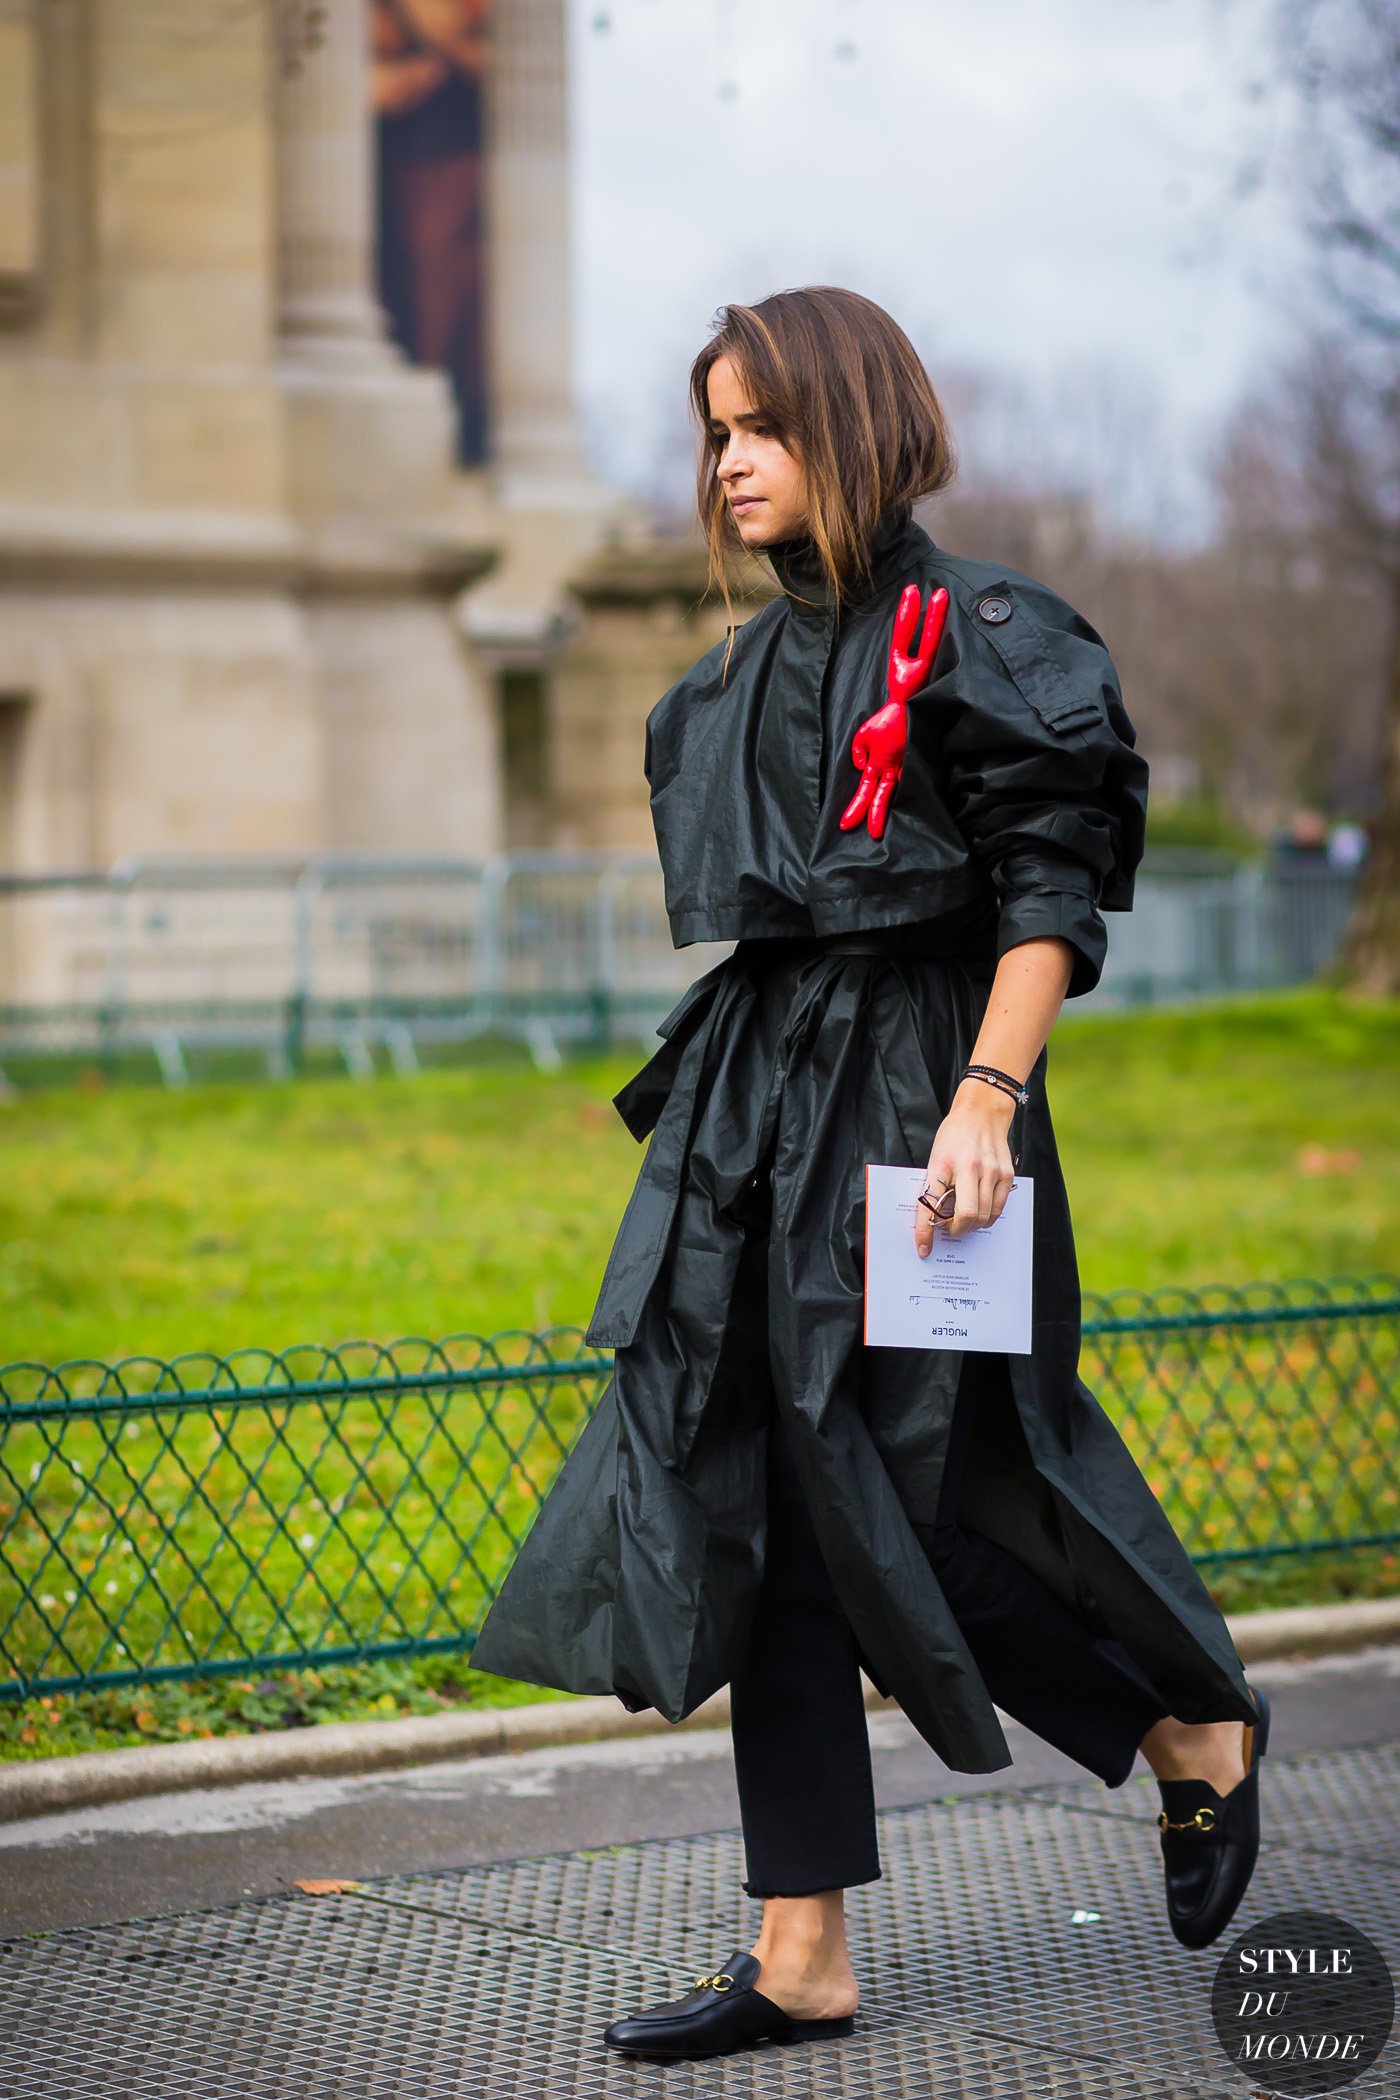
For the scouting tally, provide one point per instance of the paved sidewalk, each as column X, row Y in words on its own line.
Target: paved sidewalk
column 510, row 1907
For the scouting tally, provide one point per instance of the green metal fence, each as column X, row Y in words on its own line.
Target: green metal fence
column 212, row 967
column 216, row 1514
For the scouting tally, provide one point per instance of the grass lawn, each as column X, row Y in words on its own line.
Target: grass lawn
column 1222, row 1144
column 144, row 1222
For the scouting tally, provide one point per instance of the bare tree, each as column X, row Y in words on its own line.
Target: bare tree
column 1343, row 58
column 1295, row 620
column 1251, row 664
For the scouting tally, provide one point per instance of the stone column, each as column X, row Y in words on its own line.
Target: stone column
column 327, row 310
column 535, row 441
column 19, row 161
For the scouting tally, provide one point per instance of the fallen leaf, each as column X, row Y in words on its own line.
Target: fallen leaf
column 1316, row 1159
column 325, row 1888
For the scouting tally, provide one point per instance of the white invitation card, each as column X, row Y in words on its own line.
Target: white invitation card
column 970, row 1293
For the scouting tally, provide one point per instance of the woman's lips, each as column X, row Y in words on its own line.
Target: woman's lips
column 739, row 504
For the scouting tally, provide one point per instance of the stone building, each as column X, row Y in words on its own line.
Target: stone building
column 249, row 602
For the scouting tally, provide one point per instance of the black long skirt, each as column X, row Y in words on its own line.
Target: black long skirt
column 640, row 1573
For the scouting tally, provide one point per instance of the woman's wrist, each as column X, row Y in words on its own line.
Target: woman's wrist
column 998, row 1076
column 977, row 1095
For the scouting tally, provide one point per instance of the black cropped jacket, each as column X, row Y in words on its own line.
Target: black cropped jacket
column 1021, row 786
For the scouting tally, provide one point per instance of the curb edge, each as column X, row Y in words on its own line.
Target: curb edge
column 35, row 1787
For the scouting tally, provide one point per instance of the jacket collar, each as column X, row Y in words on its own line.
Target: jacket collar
column 798, row 569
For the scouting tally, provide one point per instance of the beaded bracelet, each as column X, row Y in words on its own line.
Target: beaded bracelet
column 1001, row 1080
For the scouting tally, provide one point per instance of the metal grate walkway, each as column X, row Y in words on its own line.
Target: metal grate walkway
column 494, row 1983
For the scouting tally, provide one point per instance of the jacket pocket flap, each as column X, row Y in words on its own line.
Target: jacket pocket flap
column 1022, row 644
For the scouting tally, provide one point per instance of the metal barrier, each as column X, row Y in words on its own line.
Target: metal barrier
column 215, row 1515
column 1203, row 924
column 368, row 960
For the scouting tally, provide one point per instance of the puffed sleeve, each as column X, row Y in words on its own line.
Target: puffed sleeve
column 1038, row 762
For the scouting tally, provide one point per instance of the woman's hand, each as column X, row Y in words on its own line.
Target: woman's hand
column 971, row 1151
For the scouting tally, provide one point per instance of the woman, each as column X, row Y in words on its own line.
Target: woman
column 906, row 788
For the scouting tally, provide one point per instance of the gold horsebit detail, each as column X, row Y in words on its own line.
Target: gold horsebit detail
column 720, row 1981
column 1204, row 1819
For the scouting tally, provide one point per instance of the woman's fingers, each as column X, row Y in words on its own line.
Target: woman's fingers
column 983, row 1185
column 974, row 1207
column 1001, row 1190
column 980, row 1174
column 939, row 1175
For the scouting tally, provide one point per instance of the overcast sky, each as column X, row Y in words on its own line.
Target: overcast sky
column 1044, row 188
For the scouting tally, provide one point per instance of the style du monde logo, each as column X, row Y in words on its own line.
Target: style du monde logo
column 1303, row 2003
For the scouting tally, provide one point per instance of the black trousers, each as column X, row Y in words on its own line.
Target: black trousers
column 801, row 1747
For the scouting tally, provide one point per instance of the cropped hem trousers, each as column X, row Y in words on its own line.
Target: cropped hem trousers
column 797, row 1713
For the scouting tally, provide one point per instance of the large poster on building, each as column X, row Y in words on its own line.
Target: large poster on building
column 428, row 63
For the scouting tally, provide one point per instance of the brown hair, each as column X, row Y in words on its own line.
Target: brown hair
column 840, row 383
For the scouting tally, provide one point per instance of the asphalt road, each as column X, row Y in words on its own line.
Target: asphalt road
column 180, row 1852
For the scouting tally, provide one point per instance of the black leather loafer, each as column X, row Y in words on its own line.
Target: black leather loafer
column 718, row 2014
column 1210, row 1842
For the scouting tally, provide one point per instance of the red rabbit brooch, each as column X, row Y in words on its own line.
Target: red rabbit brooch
column 878, row 745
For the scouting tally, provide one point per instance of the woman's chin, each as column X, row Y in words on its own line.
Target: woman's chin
column 759, row 530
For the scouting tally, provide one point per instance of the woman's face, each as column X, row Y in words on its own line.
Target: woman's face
column 766, row 486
